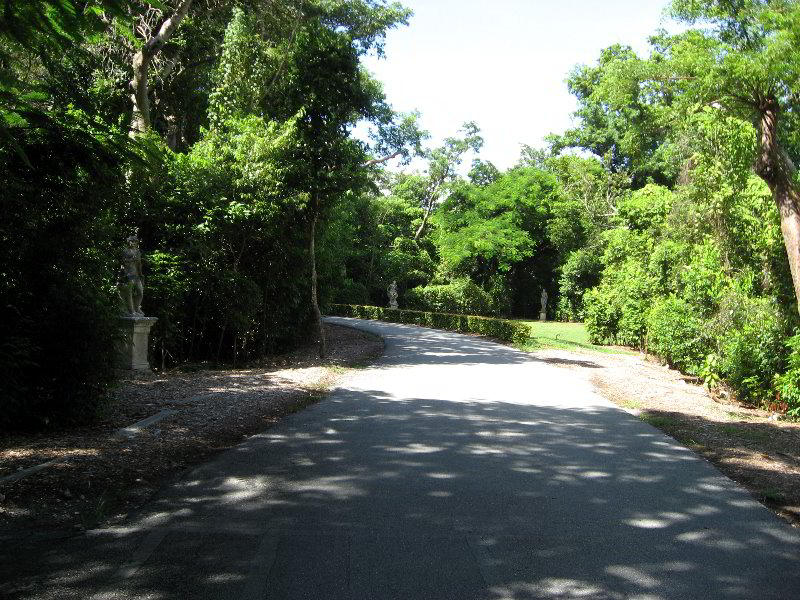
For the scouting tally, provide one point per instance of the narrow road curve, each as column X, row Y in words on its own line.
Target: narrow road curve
column 455, row 468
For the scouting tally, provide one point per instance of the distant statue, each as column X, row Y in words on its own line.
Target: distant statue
column 130, row 282
column 393, row 295
column 543, row 312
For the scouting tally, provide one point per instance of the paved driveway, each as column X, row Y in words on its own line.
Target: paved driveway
column 453, row 469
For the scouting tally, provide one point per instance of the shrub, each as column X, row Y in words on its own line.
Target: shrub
column 507, row 331
column 601, row 316
column 750, row 335
column 351, row 292
column 462, row 296
column 786, row 386
column 646, row 208
column 581, row 272
column 665, row 264
column 677, row 335
column 616, row 311
column 703, row 279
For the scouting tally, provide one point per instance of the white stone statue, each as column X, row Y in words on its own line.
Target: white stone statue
column 543, row 312
column 393, row 295
column 130, row 282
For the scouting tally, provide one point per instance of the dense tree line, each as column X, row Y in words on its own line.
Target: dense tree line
column 219, row 132
column 669, row 232
column 222, row 134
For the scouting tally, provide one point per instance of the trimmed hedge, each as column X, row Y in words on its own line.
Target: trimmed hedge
column 508, row 331
column 462, row 297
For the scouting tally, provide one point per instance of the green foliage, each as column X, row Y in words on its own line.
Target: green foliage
column 665, row 265
column 507, row 331
column 369, row 239
column 703, row 279
column 408, row 263
column 751, row 336
column 244, row 70
column 602, row 317
column 462, row 296
column 710, row 371
column 678, row 335
column 580, row 272
column 646, row 209
column 485, row 231
column 786, row 385
column 616, row 311
column 621, row 117
column 233, row 283
column 56, row 240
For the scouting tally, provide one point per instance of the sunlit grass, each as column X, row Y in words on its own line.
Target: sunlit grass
column 564, row 336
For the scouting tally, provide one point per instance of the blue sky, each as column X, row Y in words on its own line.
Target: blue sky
column 502, row 63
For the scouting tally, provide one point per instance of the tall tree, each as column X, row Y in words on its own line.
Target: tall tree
column 442, row 171
column 622, row 121
column 326, row 90
column 743, row 60
column 154, row 42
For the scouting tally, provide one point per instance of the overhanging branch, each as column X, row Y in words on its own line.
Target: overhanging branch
column 377, row 161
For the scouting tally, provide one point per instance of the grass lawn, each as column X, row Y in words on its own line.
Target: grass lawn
column 567, row 336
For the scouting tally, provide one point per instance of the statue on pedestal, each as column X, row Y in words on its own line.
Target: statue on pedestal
column 543, row 311
column 130, row 282
column 393, row 295
column 135, row 327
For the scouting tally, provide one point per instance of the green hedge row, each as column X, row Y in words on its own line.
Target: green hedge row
column 507, row 331
column 462, row 296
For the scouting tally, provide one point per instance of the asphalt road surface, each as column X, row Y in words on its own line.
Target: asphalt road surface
column 455, row 468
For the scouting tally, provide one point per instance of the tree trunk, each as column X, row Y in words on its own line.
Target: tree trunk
column 140, row 121
column 430, row 200
column 141, row 66
column 221, row 339
column 776, row 168
column 424, row 222
column 323, row 349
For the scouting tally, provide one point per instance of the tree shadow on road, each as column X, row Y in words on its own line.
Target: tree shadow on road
column 370, row 496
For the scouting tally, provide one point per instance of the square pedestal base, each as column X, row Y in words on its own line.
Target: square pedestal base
column 132, row 351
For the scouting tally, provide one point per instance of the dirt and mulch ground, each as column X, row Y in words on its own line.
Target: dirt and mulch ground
column 99, row 475
column 749, row 445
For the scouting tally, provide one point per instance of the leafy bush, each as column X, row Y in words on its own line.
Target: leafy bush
column 601, row 316
column 461, row 297
column 665, row 264
column 224, row 246
column 580, row 273
column 408, row 263
column 507, row 331
column 646, row 208
column 351, row 292
column 616, row 311
column 500, row 295
column 750, row 335
column 786, row 386
column 677, row 335
column 703, row 279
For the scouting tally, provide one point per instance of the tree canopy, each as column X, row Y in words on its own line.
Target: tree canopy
column 224, row 135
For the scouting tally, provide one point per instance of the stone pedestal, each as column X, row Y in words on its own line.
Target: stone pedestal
column 132, row 351
column 543, row 316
